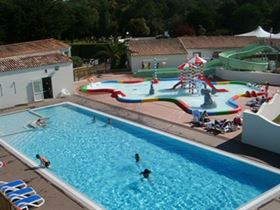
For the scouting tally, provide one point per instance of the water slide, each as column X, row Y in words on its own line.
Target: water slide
column 177, row 84
column 235, row 59
column 208, row 82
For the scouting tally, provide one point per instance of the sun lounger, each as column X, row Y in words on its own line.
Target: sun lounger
column 24, row 192
column 4, row 186
column 31, row 201
column 221, row 126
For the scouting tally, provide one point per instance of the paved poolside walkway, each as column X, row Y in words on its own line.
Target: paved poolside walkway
column 55, row 199
column 170, row 119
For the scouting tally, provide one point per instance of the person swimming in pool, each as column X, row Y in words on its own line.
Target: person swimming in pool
column 109, row 122
column 137, row 158
column 146, row 173
column 44, row 161
column 94, row 119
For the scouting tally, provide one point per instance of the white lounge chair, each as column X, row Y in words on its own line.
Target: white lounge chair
column 24, row 192
column 6, row 187
column 30, row 201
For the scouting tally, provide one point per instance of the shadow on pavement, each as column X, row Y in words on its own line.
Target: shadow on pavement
column 237, row 147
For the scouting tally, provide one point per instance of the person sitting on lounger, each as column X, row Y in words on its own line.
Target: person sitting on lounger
column 44, row 161
column 204, row 117
column 263, row 99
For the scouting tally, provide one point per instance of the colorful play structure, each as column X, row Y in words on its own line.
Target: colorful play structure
column 192, row 84
column 122, row 97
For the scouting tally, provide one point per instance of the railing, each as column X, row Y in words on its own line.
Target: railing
column 5, row 204
column 87, row 71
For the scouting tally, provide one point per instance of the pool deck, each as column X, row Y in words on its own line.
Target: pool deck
column 161, row 115
column 54, row 197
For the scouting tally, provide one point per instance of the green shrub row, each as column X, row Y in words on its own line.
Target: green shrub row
column 88, row 51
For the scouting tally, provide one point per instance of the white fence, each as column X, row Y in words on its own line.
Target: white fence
column 257, row 77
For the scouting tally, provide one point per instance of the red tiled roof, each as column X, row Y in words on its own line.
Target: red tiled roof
column 144, row 47
column 203, row 42
column 16, row 63
column 33, row 47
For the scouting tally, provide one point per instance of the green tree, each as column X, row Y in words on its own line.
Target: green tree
column 225, row 16
column 114, row 52
column 11, row 22
column 84, row 20
column 247, row 17
column 202, row 17
column 77, row 61
column 138, row 27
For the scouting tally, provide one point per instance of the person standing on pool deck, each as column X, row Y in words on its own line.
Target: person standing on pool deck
column 266, row 87
column 44, row 161
column 137, row 158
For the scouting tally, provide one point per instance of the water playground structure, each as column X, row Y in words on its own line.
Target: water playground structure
column 191, row 91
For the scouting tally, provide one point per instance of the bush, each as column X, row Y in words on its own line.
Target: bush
column 77, row 61
column 87, row 51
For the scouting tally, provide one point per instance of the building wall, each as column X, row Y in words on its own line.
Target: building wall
column 257, row 77
column 171, row 61
column 204, row 53
column 16, row 86
column 258, row 128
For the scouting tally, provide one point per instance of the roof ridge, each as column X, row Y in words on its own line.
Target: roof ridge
column 32, row 47
column 26, row 42
column 30, row 62
column 182, row 43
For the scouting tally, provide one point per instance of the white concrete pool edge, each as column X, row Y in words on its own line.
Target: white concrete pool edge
column 260, row 200
column 67, row 189
column 75, row 195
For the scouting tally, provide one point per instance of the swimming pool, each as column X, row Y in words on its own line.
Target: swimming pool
column 98, row 160
column 10, row 123
column 227, row 93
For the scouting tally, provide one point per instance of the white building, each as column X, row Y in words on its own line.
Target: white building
column 33, row 71
column 168, row 53
column 172, row 52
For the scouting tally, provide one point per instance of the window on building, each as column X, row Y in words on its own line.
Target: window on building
column 13, row 85
column 1, row 90
column 66, row 53
column 197, row 53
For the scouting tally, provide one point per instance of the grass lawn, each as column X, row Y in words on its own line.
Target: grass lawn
column 277, row 120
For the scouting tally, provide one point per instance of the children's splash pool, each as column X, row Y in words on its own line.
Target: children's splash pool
column 189, row 100
column 98, row 160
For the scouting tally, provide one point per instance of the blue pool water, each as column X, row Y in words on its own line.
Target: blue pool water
column 98, row 160
column 11, row 123
column 164, row 90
